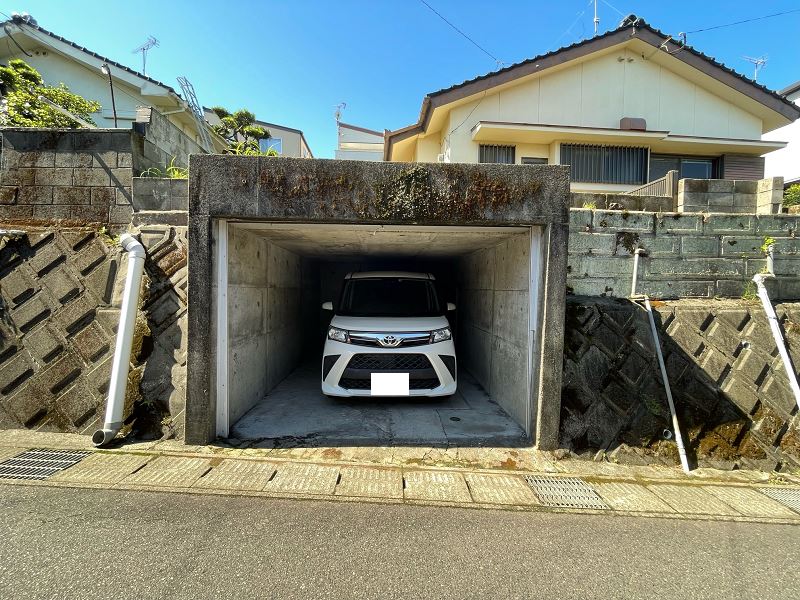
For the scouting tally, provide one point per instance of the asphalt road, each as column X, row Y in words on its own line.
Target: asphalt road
column 85, row 543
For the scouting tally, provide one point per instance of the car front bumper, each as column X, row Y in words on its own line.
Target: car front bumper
column 340, row 370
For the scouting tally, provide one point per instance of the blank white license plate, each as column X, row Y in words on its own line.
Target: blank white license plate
column 389, row 384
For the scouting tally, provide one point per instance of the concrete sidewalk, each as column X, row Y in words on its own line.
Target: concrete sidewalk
column 404, row 477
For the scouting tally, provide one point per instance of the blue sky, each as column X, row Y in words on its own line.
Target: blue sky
column 293, row 62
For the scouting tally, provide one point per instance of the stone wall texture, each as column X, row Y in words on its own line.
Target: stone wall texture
column 763, row 196
column 71, row 176
column 730, row 388
column 688, row 254
column 60, row 293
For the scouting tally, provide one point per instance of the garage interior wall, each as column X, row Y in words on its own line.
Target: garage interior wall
column 270, row 291
column 493, row 341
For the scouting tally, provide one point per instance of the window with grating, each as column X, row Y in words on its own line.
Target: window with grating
column 497, row 154
column 605, row 164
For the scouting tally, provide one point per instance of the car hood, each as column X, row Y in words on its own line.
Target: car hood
column 389, row 324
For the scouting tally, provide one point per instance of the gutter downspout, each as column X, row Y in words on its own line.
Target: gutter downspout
column 122, row 351
column 657, row 343
column 774, row 325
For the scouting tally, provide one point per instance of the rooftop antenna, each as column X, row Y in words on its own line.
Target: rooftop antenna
column 759, row 63
column 338, row 112
column 150, row 43
column 596, row 18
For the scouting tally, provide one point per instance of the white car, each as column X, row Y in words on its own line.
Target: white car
column 389, row 336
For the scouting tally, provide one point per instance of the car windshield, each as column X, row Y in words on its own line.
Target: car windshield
column 389, row 297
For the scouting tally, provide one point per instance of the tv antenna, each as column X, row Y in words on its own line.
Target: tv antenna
column 338, row 112
column 759, row 63
column 150, row 43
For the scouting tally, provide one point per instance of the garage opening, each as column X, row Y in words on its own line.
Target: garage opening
column 270, row 281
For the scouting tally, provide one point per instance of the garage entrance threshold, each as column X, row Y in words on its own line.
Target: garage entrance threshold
column 297, row 414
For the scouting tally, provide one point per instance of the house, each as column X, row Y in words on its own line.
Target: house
column 358, row 143
column 622, row 108
column 286, row 141
column 59, row 60
column 786, row 161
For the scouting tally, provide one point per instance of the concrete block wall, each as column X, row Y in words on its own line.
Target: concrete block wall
column 494, row 300
column 689, row 254
column 72, row 176
column 622, row 202
column 160, row 141
column 160, row 194
column 731, row 391
column 731, row 196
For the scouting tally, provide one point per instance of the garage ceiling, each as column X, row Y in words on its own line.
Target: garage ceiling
column 328, row 241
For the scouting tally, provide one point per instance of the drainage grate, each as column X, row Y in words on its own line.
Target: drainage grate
column 564, row 492
column 786, row 496
column 40, row 463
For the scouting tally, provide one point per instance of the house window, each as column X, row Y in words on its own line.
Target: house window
column 691, row 167
column 497, row 154
column 533, row 160
column 272, row 142
column 605, row 164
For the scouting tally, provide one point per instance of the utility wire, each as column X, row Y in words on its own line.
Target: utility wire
column 473, row 42
column 786, row 12
column 609, row 5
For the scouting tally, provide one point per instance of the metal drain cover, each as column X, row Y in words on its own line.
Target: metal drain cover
column 564, row 492
column 787, row 496
column 40, row 463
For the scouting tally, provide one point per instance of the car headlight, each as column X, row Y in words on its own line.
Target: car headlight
column 339, row 335
column 441, row 335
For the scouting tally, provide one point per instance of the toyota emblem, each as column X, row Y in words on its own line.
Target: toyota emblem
column 389, row 341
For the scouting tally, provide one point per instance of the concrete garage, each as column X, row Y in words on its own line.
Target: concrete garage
column 278, row 275
column 270, row 240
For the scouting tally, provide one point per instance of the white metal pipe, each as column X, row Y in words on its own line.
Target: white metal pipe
column 675, row 425
column 122, row 351
column 657, row 343
column 774, row 324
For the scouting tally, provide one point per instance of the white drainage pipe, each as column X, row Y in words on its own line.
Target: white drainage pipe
column 657, row 343
column 122, row 351
column 774, row 325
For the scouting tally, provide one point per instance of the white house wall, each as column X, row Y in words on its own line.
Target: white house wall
column 595, row 93
column 786, row 162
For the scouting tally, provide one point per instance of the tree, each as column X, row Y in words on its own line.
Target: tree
column 21, row 86
column 791, row 197
column 241, row 132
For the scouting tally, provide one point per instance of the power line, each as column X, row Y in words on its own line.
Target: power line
column 609, row 5
column 473, row 42
column 568, row 29
column 786, row 12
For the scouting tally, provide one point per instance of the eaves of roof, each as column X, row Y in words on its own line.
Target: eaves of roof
column 105, row 59
column 641, row 30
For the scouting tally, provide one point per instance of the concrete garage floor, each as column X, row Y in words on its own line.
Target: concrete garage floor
column 296, row 413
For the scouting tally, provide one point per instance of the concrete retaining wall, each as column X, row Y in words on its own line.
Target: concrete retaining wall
column 76, row 176
column 159, row 142
column 494, row 298
column 763, row 196
column 689, row 255
column 731, row 391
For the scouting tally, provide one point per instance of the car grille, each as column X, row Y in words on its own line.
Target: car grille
column 413, row 384
column 389, row 362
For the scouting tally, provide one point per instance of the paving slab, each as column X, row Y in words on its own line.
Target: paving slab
column 750, row 502
column 632, row 497
column 500, row 489
column 245, row 475
column 436, row 485
column 169, row 471
column 101, row 468
column 693, row 500
column 304, row 479
column 370, row 482
column 9, row 451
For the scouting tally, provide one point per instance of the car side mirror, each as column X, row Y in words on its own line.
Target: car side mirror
column 451, row 306
column 327, row 306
